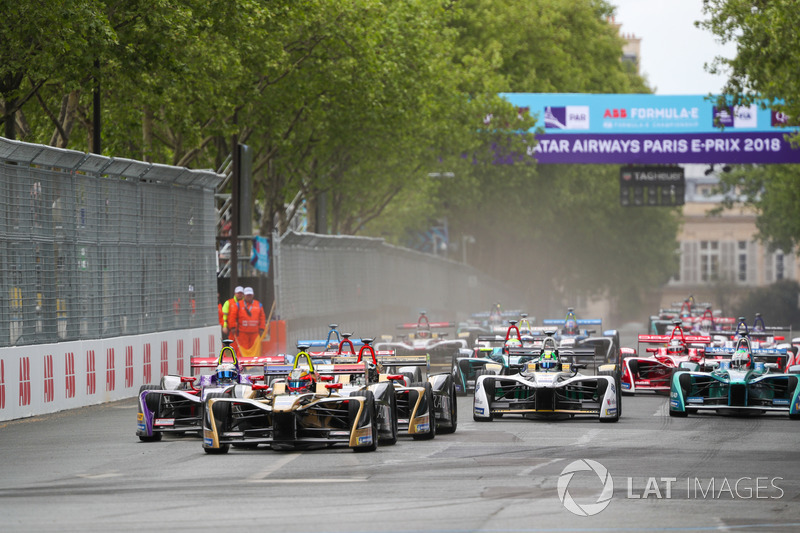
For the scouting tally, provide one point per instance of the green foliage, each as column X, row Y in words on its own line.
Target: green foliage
column 777, row 304
column 767, row 51
column 359, row 102
column 774, row 193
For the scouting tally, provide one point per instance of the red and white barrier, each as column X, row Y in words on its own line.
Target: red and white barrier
column 46, row 378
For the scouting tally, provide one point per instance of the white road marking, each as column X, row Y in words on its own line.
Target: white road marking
column 310, row 480
column 100, row 476
column 530, row 469
column 274, row 466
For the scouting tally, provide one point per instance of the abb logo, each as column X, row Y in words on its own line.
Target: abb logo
column 24, row 381
column 69, row 364
column 49, row 381
column 2, row 384
column 147, row 365
column 111, row 375
column 180, row 357
column 164, row 358
column 91, row 380
column 615, row 113
column 128, row 366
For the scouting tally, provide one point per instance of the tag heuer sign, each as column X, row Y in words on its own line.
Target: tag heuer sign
column 651, row 185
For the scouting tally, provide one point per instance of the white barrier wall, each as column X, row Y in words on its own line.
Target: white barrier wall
column 46, row 378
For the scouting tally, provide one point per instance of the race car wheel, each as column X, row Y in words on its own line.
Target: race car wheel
column 369, row 408
column 679, row 414
column 618, row 388
column 392, row 439
column 431, row 415
column 152, row 404
column 451, row 428
column 221, row 412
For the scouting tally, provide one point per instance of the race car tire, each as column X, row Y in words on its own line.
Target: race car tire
column 221, row 411
column 369, row 406
column 388, row 441
column 617, row 384
column 678, row 414
column 446, row 430
column 431, row 415
column 795, row 416
column 152, row 404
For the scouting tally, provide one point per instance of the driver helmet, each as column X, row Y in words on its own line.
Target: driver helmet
column 423, row 334
column 513, row 343
column 741, row 357
column 548, row 360
column 299, row 381
column 675, row 347
column 571, row 326
column 227, row 373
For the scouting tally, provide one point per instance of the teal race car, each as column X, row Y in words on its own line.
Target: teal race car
column 749, row 383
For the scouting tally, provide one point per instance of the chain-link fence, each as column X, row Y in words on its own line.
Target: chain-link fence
column 94, row 247
column 367, row 286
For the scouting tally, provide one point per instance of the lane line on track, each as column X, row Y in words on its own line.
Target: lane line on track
column 530, row 469
column 274, row 466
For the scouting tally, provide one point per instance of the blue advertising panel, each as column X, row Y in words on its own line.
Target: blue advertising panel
column 653, row 129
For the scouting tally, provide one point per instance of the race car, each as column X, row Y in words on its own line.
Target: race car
column 548, row 387
column 652, row 372
column 419, row 395
column 311, row 406
column 490, row 355
column 176, row 404
column 747, row 383
column 426, row 340
column 761, row 337
column 492, row 322
column 570, row 325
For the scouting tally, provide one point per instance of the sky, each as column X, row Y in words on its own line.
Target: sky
column 673, row 50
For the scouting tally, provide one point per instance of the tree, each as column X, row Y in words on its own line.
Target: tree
column 762, row 71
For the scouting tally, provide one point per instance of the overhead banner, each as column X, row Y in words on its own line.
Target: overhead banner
column 653, row 129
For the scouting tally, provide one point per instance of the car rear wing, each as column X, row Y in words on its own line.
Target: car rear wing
column 387, row 358
column 325, row 343
column 580, row 322
column 664, row 339
column 244, row 362
column 323, row 369
column 426, row 325
column 504, row 314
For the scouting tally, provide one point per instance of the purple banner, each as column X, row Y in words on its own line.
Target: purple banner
column 707, row 148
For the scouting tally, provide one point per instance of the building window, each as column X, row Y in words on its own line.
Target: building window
column 742, row 260
column 709, row 260
column 779, row 272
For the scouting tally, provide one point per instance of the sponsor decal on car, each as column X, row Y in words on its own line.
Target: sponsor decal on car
column 694, row 399
column 640, row 382
column 780, row 401
column 233, row 434
column 208, row 442
column 613, row 389
column 339, row 433
column 367, row 439
column 164, row 422
column 422, row 428
column 611, row 411
column 674, row 403
column 479, row 410
column 141, row 427
column 626, row 385
column 140, row 417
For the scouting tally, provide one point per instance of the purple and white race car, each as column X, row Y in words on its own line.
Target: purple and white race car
column 176, row 405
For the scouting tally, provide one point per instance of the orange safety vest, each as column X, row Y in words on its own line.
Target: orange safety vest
column 249, row 319
column 232, row 306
